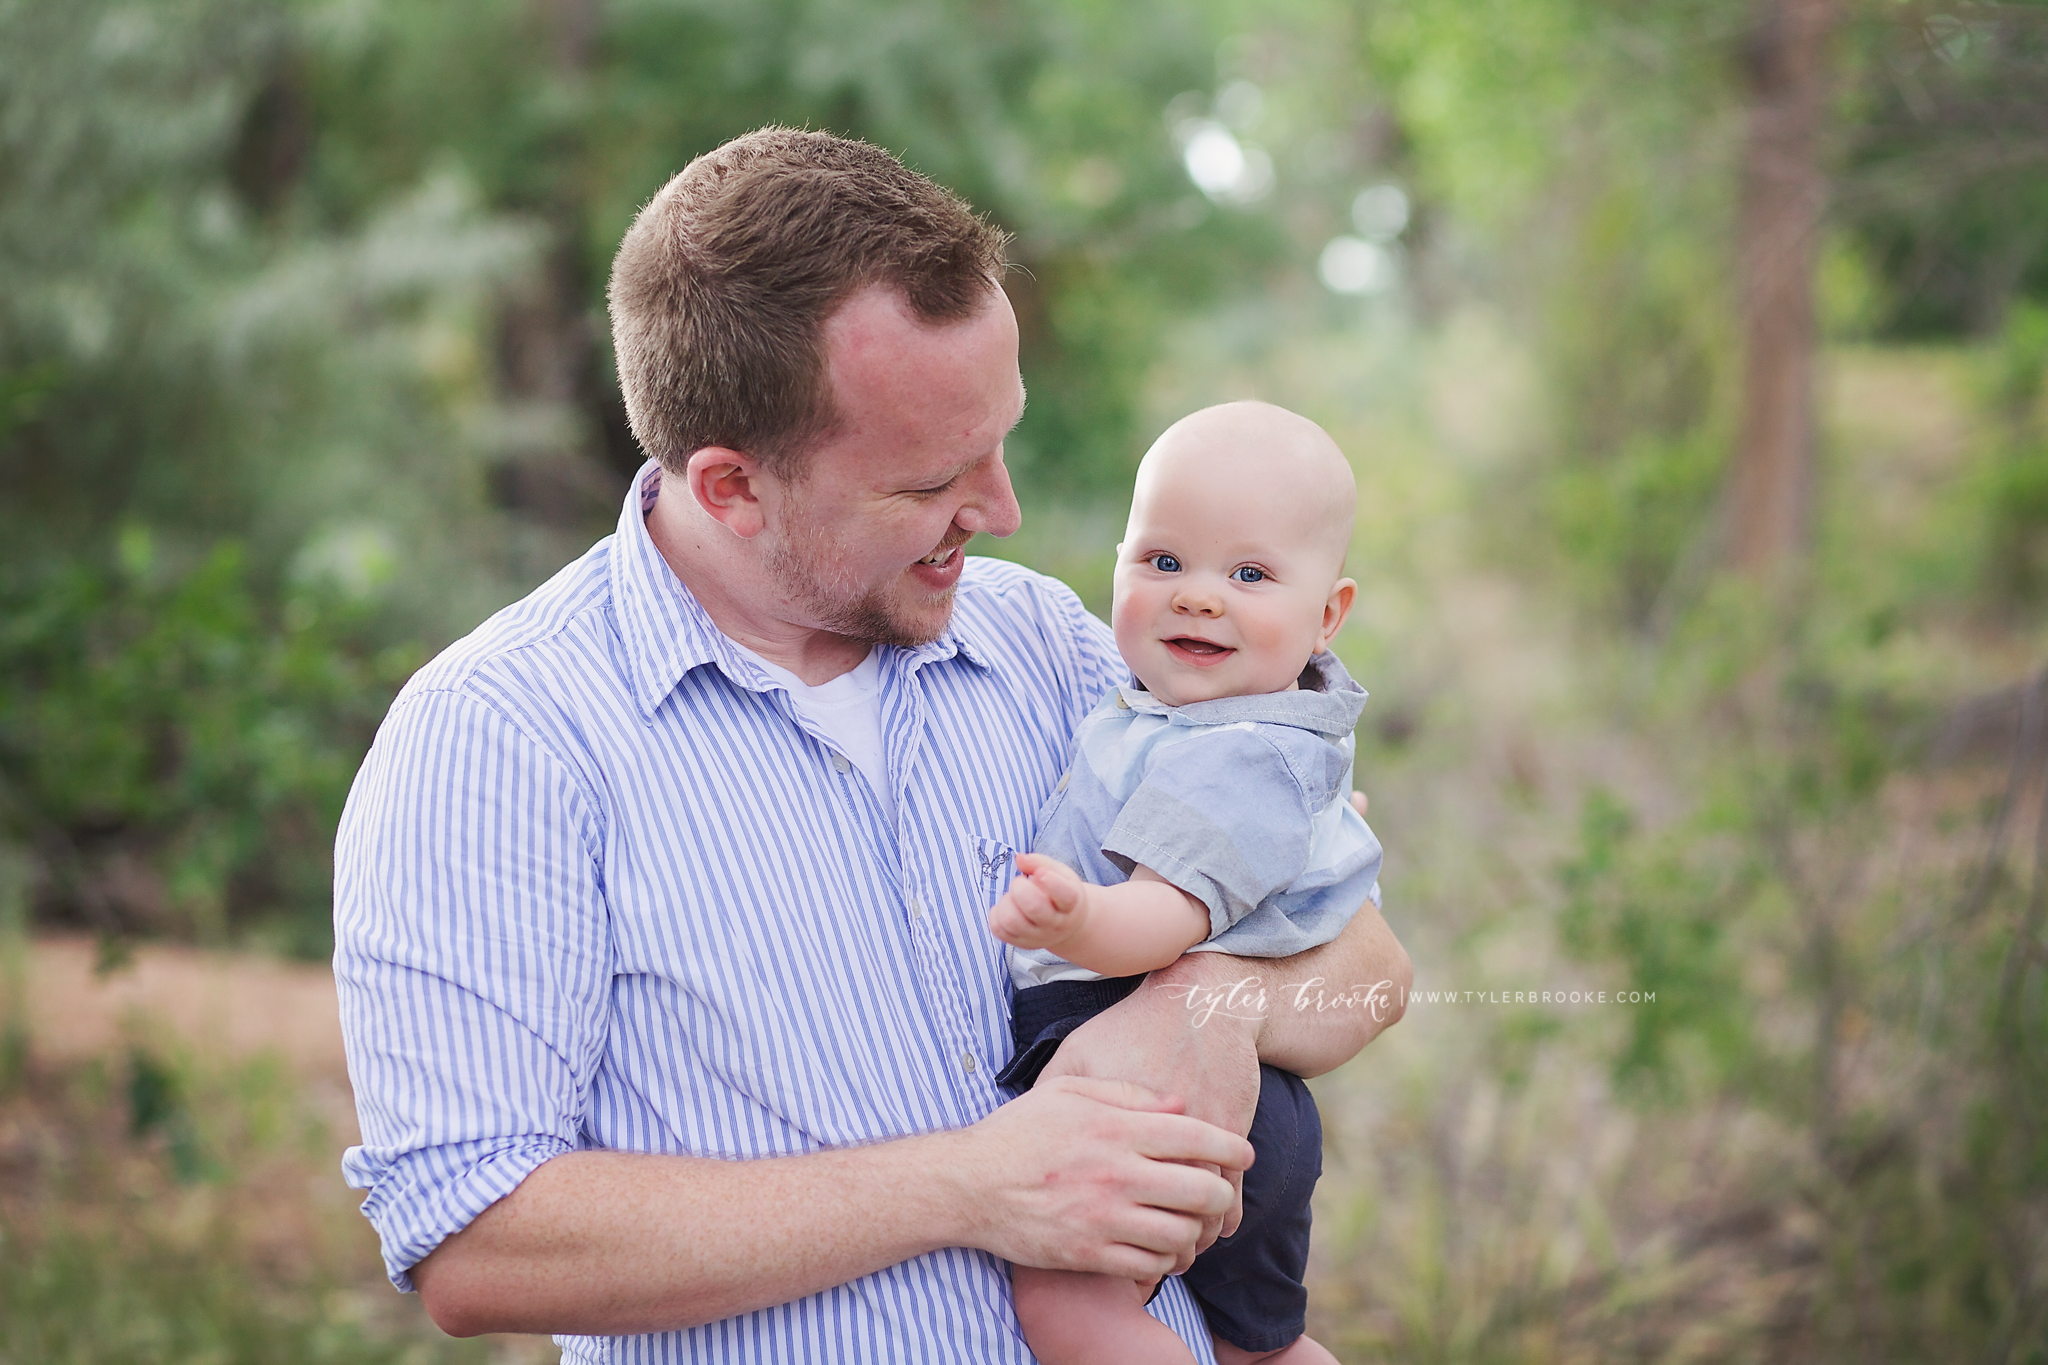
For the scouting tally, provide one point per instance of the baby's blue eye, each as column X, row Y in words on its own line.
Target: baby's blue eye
column 1166, row 563
column 1247, row 574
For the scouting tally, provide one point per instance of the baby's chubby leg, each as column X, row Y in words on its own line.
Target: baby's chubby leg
column 1074, row 1319
column 1300, row 1351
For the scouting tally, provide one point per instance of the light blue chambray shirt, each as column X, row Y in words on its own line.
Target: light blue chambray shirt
column 1242, row 802
column 598, row 885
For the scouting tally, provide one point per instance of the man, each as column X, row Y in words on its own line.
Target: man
column 671, row 1011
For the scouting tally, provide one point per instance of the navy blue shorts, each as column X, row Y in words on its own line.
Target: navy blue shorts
column 1250, row 1283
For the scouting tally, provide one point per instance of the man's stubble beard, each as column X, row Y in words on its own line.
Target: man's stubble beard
column 801, row 565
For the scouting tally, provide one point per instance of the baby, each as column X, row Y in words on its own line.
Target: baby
column 1205, row 810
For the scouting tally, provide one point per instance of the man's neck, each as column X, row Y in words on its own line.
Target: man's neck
column 712, row 562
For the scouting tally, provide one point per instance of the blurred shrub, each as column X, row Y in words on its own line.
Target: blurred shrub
column 1589, row 150
column 175, row 755
column 1946, row 125
column 2017, row 497
column 1664, row 909
column 99, row 1300
column 1815, row 969
column 177, row 1210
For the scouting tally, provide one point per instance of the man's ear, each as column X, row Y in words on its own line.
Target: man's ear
column 1342, row 595
column 727, row 485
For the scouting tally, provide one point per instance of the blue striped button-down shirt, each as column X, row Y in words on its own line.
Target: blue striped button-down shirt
column 599, row 885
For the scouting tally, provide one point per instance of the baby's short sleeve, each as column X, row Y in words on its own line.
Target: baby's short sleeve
column 1228, row 814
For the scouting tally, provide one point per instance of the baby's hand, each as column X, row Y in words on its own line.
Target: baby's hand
column 1045, row 906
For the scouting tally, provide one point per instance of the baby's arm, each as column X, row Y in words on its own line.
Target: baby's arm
column 1136, row 926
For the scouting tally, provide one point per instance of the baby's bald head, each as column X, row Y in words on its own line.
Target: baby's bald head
column 1280, row 464
column 1230, row 577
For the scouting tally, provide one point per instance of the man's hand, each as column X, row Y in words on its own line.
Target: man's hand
column 1249, row 1010
column 1150, row 1038
column 1046, row 905
column 1100, row 1176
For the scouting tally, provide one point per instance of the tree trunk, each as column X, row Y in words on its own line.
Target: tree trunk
column 549, row 339
column 1784, row 194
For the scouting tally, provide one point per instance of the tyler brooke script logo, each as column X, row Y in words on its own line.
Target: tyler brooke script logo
column 1249, row 999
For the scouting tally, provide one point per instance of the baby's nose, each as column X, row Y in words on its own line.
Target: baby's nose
column 1198, row 603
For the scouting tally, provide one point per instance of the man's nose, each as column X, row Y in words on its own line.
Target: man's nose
column 991, row 506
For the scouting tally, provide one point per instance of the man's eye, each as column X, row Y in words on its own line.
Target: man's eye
column 1247, row 574
column 1165, row 563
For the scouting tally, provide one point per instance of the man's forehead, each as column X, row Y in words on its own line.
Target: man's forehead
column 875, row 327
column 917, row 402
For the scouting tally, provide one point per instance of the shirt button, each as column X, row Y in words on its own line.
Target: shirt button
column 916, row 908
column 840, row 763
column 967, row 1062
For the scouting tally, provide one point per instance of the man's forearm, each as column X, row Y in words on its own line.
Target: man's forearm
column 1315, row 1009
column 613, row 1243
column 1082, row 1175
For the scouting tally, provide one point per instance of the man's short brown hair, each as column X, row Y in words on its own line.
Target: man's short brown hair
column 721, row 289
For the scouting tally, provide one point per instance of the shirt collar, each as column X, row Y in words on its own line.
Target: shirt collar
column 668, row 633
column 1330, row 708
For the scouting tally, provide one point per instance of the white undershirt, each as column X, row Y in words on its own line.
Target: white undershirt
column 848, row 709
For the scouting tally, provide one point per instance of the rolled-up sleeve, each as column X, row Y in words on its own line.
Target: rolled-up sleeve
column 473, row 959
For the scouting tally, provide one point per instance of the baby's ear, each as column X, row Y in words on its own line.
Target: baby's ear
column 1338, row 606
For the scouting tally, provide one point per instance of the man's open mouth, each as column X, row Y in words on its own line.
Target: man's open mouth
column 939, row 557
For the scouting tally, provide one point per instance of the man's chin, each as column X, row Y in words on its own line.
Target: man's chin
column 901, row 624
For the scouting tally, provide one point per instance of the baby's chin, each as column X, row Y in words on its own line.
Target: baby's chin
column 1175, row 697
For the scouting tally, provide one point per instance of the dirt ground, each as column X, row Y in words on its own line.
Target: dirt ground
column 67, row 1154
column 230, row 1006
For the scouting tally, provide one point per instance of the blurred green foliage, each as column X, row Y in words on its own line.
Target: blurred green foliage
column 176, row 760
column 303, row 370
column 2018, row 493
column 1593, row 148
column 303, row 359
column 166, row 1220
column 84, row 1300
column 1906, row 1040
column 317, row 286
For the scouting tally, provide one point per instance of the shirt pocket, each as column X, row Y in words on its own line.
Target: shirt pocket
column 994, row 863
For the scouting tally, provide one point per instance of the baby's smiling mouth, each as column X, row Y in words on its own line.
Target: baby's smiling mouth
column 1198, row 651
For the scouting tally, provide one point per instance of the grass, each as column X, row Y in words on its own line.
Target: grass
column 158, row 1208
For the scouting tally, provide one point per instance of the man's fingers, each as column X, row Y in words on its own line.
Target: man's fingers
column 1234, row 1215
column 1358, row 802
column 1135, row 1263
column 1173, row 1137
column 1122, row 1094
column 1157, row 1232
